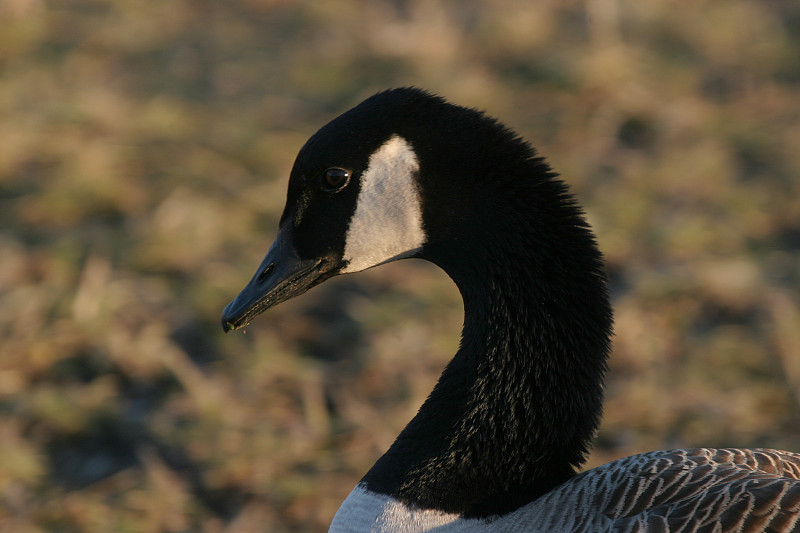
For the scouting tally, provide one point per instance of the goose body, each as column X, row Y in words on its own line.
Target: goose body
column 497, row 444
column 675, row 491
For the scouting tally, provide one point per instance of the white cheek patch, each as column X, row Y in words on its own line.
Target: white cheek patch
column 387, row 223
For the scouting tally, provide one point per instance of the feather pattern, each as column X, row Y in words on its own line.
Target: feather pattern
column 687, row 491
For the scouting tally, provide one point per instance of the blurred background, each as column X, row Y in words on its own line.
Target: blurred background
column 144, row 152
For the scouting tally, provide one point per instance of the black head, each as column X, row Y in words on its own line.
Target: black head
column 353, row 202
column 391, row 178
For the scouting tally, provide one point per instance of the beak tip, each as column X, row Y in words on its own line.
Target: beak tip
column 228, row 319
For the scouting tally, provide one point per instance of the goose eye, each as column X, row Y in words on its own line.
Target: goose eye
column 334, row 179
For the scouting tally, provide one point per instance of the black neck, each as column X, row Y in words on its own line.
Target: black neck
column 514, row 412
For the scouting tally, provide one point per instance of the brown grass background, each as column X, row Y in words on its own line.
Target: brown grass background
column 144, row 152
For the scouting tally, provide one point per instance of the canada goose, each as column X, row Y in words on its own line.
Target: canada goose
column 496, row 445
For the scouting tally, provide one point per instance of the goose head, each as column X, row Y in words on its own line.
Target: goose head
column 365, row 190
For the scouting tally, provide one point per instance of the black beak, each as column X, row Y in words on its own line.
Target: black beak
column 282, row 275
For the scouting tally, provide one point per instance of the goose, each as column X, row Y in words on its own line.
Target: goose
column 498, row 444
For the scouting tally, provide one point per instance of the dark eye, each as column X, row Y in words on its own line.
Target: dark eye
column 334, row 179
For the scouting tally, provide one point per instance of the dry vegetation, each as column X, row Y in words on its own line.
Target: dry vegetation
column 144, row 149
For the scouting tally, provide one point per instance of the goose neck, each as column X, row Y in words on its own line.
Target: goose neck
column 514, row 411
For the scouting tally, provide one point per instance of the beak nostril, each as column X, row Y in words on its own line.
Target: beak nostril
column 266, row 272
